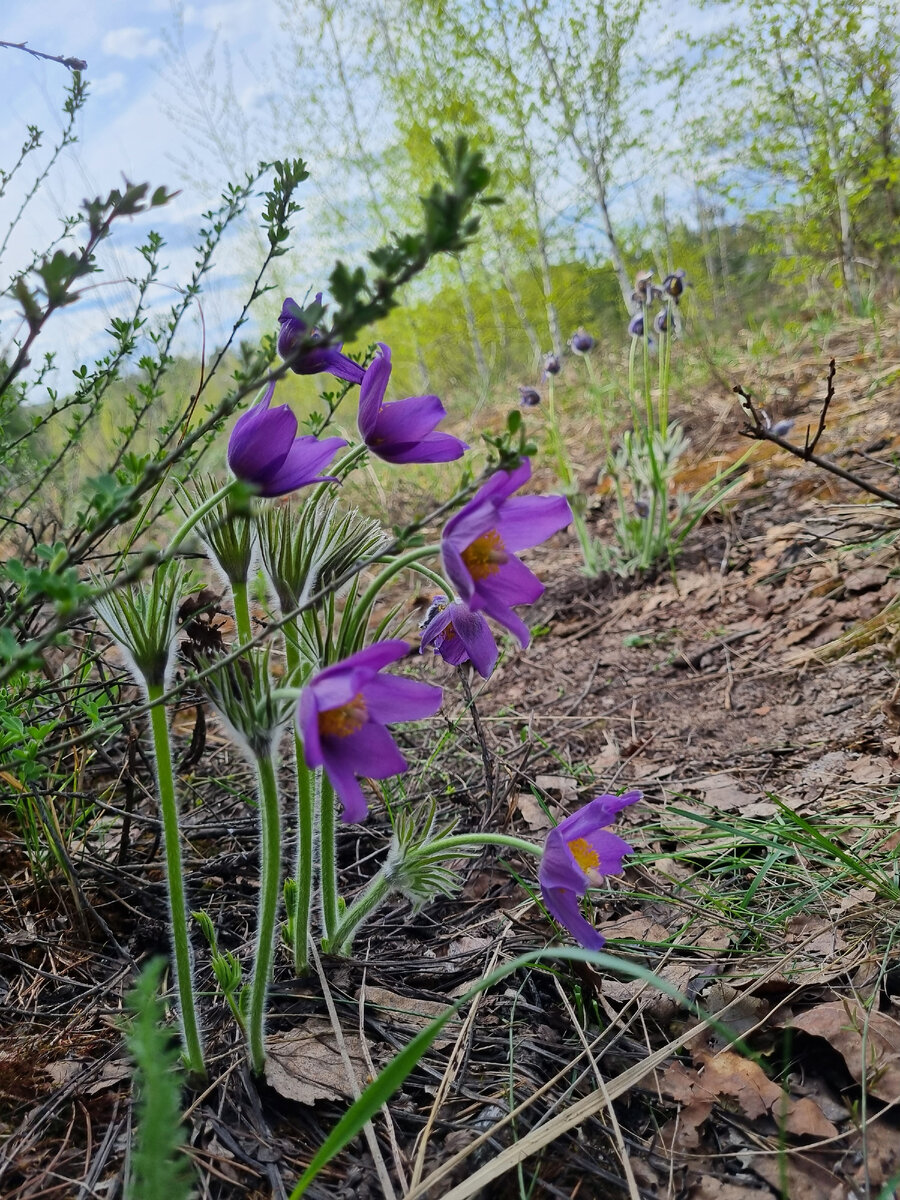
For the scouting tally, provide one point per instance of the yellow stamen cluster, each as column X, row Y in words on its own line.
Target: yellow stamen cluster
column 586, row 856
column 485, row 555
column 348, row 718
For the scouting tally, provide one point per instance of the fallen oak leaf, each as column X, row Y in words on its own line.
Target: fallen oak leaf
column 868, row 1042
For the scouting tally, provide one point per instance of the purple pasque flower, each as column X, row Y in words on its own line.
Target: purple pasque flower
column 665, row 321
column 402, row 431
column 459, row 636
column 479, row 544
column 342, row 715
column 674, row 284
column 636, row 325
column 264, row 450
column 318, row 358
column 529, row 397
column 579, row 852
column 582, row 342
column 552, row 365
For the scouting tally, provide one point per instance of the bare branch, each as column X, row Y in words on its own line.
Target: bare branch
column 757, row 427
column 74, row 64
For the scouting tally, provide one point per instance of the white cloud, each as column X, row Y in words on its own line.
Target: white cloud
column 131, row 42
column 105, row 85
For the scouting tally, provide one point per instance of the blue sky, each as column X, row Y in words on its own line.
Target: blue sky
column 139, row 55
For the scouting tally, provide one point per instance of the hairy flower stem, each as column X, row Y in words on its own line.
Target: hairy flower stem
column 370, row 595
column 328, row 861
column 306, row 811
column 268, row 908
column 162, row 748
column 240, row 598
column 382, row 884
column 198, row 514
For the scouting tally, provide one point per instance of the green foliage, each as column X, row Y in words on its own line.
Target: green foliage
column 159, row 1168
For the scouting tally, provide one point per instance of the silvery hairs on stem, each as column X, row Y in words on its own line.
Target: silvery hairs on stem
column 226, row 531
column 252, row 710
column 417, row 869
column 304, row 550
column 142, row 618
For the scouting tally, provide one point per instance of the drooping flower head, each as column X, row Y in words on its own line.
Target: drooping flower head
column 552, row 365
column 403, row 431
column 264, row 450
column 665, row 321
column 459, row 636
column 579, row 853
column 674, row 284
column 529, row 397
column 582, row 342
column 342, row 715
column 479, row 544
column 318, row 358
column 636, row 325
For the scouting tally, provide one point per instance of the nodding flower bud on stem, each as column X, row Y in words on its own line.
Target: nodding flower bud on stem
column 581, row 342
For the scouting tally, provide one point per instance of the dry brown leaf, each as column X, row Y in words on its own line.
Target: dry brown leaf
column 533, row 814
column 869, row 1043
column 724, row 791
column 817, row 937
column 682, row 1133
column 563, row 784
column 710, row 1188
column 806, row 1178
column 728, row 1074
column 306, row 1065
column 868, row 769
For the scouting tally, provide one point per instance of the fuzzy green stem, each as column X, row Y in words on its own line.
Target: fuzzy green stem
column 268, row 908
column 328, row 859
column 375, row 894
column 381, row 885
column 162, row 747
column 369, row 596
column 198, row 514
column 240, row 598
column 306, row 810
column 457, row 841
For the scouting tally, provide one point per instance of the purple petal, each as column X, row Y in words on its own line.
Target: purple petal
column 473, row 633
column 562, row 904
column 367, row 662
column 347, row 789
column 433, row 448
column 513, row 583
column 371, row 393
column 407, row 421
column 599, row 813
column 330, row 359
column 558, row 867
column 392, row 698
column 370, row 752
column 308, row 728
column 435, row 627
column 526, row 521
column 505, row 616
column 456, row 570
column 261, row 440
column 305, row 459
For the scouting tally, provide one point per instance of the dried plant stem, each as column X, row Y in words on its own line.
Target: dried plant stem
column 268, row 908
column 162, row 747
